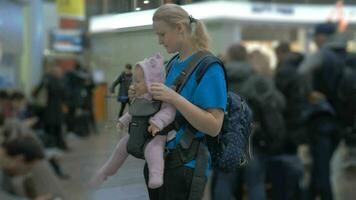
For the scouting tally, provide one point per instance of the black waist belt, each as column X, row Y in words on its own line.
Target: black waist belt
column 179, row 156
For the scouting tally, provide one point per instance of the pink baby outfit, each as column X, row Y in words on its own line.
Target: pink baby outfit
column 153, row 73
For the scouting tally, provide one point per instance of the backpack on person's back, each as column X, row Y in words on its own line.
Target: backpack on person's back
column 231, row 148
column 267, row 104
column 346, row 94
column 346, row 107
column 338, row 78
column 289, row 83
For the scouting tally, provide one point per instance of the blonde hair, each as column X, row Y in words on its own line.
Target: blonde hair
column 260, row 63
column 173, row 14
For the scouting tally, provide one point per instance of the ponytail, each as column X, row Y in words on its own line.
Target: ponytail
column 199, row 35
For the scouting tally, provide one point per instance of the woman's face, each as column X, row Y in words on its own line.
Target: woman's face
column 139, row 81
column 168, row 36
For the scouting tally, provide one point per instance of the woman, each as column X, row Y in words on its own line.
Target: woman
column 201, row 105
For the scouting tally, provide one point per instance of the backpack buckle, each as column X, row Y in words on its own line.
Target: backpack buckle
column 166, row 151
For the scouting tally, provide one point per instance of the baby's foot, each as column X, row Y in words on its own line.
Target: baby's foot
column 97, row 179
column 155, row 180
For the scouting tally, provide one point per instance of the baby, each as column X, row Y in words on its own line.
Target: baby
column 146, row 72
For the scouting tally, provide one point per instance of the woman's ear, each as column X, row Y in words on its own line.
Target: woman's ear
column 180, row 28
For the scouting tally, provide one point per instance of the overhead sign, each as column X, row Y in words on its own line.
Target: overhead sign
column 269, row 8
column 71, row 8
column 69, row 41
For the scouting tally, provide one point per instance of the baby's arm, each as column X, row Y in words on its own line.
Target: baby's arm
column 124, row 121
column 162, row 118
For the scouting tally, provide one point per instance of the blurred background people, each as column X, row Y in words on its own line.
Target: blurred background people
column 53, row 113
column 297, row 73
column 79, row 86
column 320, row 78
column 124, row 80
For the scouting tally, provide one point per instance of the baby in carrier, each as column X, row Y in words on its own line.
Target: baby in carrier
column 146, row 72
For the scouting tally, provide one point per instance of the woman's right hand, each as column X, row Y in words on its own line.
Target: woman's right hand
column 132, row 91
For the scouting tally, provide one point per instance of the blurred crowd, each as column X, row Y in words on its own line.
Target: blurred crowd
column 304, row 121
column 304, row 132
column 34, row 131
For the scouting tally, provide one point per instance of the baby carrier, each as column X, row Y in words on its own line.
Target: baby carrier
column 141, row 110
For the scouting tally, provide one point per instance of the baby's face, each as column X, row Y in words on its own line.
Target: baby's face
column 139, row 81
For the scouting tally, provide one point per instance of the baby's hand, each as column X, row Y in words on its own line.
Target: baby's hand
column 120, row 126
column 132, row 91
column 153, row 129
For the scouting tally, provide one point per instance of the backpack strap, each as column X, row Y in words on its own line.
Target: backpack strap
column 180, row 155
column 170, row 63
column 206, row 63
column 201, row 60
column 183, row 77
column 198, row 181
column 190, row 147
column 179, row 83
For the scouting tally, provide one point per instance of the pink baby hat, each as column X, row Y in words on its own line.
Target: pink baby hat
column 153, row 70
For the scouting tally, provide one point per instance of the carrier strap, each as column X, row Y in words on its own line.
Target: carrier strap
column 189, row 147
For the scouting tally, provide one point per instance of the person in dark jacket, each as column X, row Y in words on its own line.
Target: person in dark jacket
column 322, row 123
column 289, row 83
column 53, row 114
column 124, row 80
column 88, row 103
column 77, row 118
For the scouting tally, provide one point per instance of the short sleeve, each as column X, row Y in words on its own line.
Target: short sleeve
column 211, row 91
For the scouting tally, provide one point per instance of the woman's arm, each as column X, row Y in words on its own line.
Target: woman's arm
column 207, row 121
column 164, row 116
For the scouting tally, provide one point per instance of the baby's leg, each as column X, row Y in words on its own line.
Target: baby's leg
column 117, row 158
column 155, row 161
column 113, row 164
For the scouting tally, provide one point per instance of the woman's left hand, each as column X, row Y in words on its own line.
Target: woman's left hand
column 163, row 93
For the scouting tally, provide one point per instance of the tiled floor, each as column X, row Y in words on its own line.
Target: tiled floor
column 87, row 155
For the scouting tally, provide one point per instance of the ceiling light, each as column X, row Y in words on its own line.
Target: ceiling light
column 146, row 2
column 223, row 10
column 138, row 9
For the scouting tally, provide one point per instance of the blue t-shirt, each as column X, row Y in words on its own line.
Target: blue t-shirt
column 210, row 93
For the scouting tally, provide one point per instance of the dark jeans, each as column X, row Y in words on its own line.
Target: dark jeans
column 229, row 185
column 176, row 184
column 322, row 149
column 70, row 119
column 226, row 185
column 255, row 176
column 285, row 173
column 55, row 136
column 123, row 105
